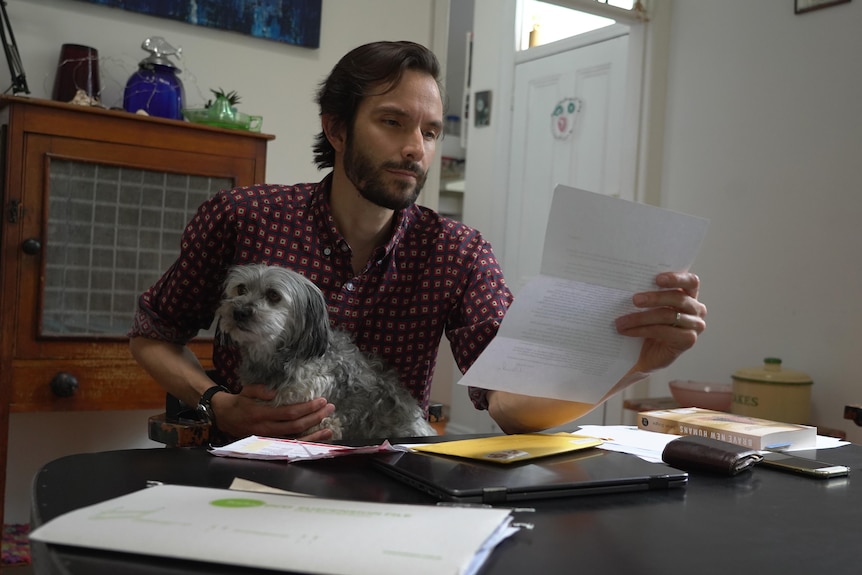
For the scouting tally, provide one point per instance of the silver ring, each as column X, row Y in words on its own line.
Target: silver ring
column 676, row 320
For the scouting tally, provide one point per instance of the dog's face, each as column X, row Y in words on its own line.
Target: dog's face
column 273, row 308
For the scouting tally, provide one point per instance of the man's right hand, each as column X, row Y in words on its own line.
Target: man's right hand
column 248, row 413
column 179, row 372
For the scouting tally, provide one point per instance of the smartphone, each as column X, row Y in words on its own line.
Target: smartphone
column 792, row 463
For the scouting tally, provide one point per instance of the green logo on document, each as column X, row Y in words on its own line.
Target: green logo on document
column 237, row 502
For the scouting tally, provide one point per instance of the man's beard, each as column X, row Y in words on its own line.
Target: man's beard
column 368, row 179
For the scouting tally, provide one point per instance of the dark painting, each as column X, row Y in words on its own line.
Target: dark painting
column 292, row 21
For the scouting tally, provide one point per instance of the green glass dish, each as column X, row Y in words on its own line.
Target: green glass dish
column 239, row 121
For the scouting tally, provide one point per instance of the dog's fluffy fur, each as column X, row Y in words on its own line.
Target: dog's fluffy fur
column 279, row 322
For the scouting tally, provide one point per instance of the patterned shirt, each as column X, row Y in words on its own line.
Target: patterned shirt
column 433, row 275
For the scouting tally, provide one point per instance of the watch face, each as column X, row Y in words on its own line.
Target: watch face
column 205, row 413
column 204, row 409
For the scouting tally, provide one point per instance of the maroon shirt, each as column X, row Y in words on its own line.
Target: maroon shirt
column 434, row 274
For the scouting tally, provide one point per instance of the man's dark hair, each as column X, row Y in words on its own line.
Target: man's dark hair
column 371, row 69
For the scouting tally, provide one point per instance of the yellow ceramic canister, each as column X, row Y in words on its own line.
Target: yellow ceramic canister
column 770, row 392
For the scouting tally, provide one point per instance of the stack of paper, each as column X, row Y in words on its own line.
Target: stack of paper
column 256, row 447
column 284, row 532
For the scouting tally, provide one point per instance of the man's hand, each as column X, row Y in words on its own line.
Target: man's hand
column 672, row 320
column 247, row 413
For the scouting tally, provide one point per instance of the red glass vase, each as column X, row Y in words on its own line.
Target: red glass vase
column 77, row 69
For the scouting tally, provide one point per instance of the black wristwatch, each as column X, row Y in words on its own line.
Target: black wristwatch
column 204, row 409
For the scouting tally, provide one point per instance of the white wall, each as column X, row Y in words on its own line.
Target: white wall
column 494, row 32
column 487, row 156
column 275, row 80
column 764, row 137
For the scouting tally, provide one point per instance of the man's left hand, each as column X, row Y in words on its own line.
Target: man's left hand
column 671, row 320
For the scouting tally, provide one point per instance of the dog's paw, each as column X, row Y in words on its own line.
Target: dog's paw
column 334, row 425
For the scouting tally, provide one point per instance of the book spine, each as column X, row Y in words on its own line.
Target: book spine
column 662, row 425
column 743, row 439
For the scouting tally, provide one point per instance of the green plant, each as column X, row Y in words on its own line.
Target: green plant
column 232, row 97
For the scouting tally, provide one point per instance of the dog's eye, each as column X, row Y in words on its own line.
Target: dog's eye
column 273, row 296
column 241, row 289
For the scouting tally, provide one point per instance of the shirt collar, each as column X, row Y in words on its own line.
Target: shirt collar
column 322, row 210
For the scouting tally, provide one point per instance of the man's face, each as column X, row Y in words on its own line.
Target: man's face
column 392, row 143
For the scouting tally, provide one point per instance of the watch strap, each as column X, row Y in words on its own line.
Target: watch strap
column 204, row 403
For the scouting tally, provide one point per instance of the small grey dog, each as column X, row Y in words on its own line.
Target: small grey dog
column 278, row 320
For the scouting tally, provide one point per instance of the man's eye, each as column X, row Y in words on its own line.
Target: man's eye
column 241, row 289
column 273, row 296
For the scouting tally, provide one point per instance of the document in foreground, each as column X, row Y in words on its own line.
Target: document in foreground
column 558, row 338
column 284, row 532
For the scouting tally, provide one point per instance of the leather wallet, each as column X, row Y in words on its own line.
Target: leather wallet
column 696, row 453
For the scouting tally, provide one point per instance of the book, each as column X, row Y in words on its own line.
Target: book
column 752, row 432
column 511, row 448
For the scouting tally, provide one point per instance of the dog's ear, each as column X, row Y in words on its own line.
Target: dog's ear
column 315, row 338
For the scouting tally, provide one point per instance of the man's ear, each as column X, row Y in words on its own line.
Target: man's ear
column 334, row 131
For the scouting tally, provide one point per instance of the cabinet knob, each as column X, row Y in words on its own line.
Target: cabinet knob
column 31, row 246
column 64, row 384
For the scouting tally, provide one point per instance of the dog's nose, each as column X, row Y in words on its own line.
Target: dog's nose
column 243, row 313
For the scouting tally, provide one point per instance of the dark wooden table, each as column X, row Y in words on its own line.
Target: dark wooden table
column 761, row 521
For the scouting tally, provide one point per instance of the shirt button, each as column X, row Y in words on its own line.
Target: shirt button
column 345, row 248
column 349, row 286
column 327, row 251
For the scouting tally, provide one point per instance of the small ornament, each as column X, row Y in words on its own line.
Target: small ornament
column 564, row 117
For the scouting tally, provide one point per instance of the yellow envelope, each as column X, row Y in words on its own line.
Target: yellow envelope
column 511, row 448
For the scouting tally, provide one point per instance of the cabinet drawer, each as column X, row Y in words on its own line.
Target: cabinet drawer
column 101, row 385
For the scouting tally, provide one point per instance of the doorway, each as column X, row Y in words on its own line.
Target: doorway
column 490, row 203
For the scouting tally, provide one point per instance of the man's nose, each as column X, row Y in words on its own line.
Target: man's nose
column 414, row 146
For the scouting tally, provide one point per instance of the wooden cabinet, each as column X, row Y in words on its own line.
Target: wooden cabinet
column 94, row 203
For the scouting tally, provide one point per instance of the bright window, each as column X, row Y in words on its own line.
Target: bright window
column 547, row 22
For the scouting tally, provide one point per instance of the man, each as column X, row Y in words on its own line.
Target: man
column 396, row 275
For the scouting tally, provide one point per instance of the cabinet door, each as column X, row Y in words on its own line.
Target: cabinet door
column 100, row 223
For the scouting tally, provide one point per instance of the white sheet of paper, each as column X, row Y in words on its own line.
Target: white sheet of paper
column 283, row 532
column 558, row 338
column 647, row 445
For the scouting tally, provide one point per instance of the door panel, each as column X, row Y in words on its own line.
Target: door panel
column 589, row 157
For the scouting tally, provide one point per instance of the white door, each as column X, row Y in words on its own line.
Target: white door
column 567, row 128
column 592, row 71
column 550, row 147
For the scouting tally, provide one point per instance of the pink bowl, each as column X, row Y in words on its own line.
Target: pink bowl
column 703, row 394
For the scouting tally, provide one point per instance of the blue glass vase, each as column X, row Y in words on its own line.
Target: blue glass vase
column 155, row 89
